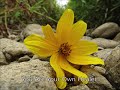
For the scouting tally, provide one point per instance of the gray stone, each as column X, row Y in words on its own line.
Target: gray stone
column 103, row 54
column 89, row 31
column 100, row 48
column 113, row 58
column 24, row 58
column 113, row 75
column 117, row 37
column 2, row 58
column 8, row 56
column 41, row 58
column 1, row 36
column 86, row 38
column 96, row 80
column 79, row 87
column 31, row 75
column 106, row 30
column 12, row 37
column 32, row 29
column 12, row 47
column 112, row 65
column 105, row 43
column 99, row 69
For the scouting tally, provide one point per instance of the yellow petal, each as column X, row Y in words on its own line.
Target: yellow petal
column 84, row 60
column 64, row 26
column 84, row 47
column 67, row 67
column 49, row 34
column 39, row 46
column 78, row 30
column 61, row 83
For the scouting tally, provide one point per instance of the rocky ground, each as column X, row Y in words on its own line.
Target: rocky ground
column 21, row 70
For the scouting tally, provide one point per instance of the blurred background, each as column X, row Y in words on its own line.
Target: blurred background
column 15, row 14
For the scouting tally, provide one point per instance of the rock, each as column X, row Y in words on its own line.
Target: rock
column 100, row 48
column 112, row 65
column 103, row 54
column 105, row 43
column 106, row 30
column 1, row 36
column 99, row 69
column 114, row 76
column 86, row 38
column 31, row 75
column 12, row 37
column 117, row 37
column 8, row 56
column 41, row 58
column 24, row 58
column 13, row 48
column 96, row 80
column 2, row 58
column 113, row 58
column 89, row 31
column 79, row 87
column 32, row 29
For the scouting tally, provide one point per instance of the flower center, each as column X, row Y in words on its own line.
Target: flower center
column 65, row 49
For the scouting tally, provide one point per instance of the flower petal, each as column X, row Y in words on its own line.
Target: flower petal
column 84, row 60
column 78, row 30
column 61, row 83
column 64, row 26
column 49, row 34
column 84, row 47
column 39, row 46
column 67, row 67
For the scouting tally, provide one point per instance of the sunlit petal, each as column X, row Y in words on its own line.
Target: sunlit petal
column 61, row 83
column 49, row 34
column 84, row 47
column 67, row 67
column 39, row 46
column 64, row 26
column 78, row 30
column 84, row 60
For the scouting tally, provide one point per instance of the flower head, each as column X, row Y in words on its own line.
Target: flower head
column 65, row 47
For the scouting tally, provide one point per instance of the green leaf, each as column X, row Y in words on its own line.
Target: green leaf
column 17, row 14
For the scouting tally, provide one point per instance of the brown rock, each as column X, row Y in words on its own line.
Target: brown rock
column 32, row 29
column 117, row 37
column 86, row 38
column 105, row 43
column 103, row 54
column 24, row 58
column 96, row 80
column 79, row 87
column 106, row 30
column 2, row 58
column 99, row 69
column 12, row 47
column 113, row 58
column 113, row 67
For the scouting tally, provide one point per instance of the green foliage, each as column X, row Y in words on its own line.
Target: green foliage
column 21, row 12
column 96, row 12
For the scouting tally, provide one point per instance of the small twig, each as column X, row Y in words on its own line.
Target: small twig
column 5, row 18
column 45, row 16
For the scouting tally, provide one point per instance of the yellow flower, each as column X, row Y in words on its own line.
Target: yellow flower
column 65, row 47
